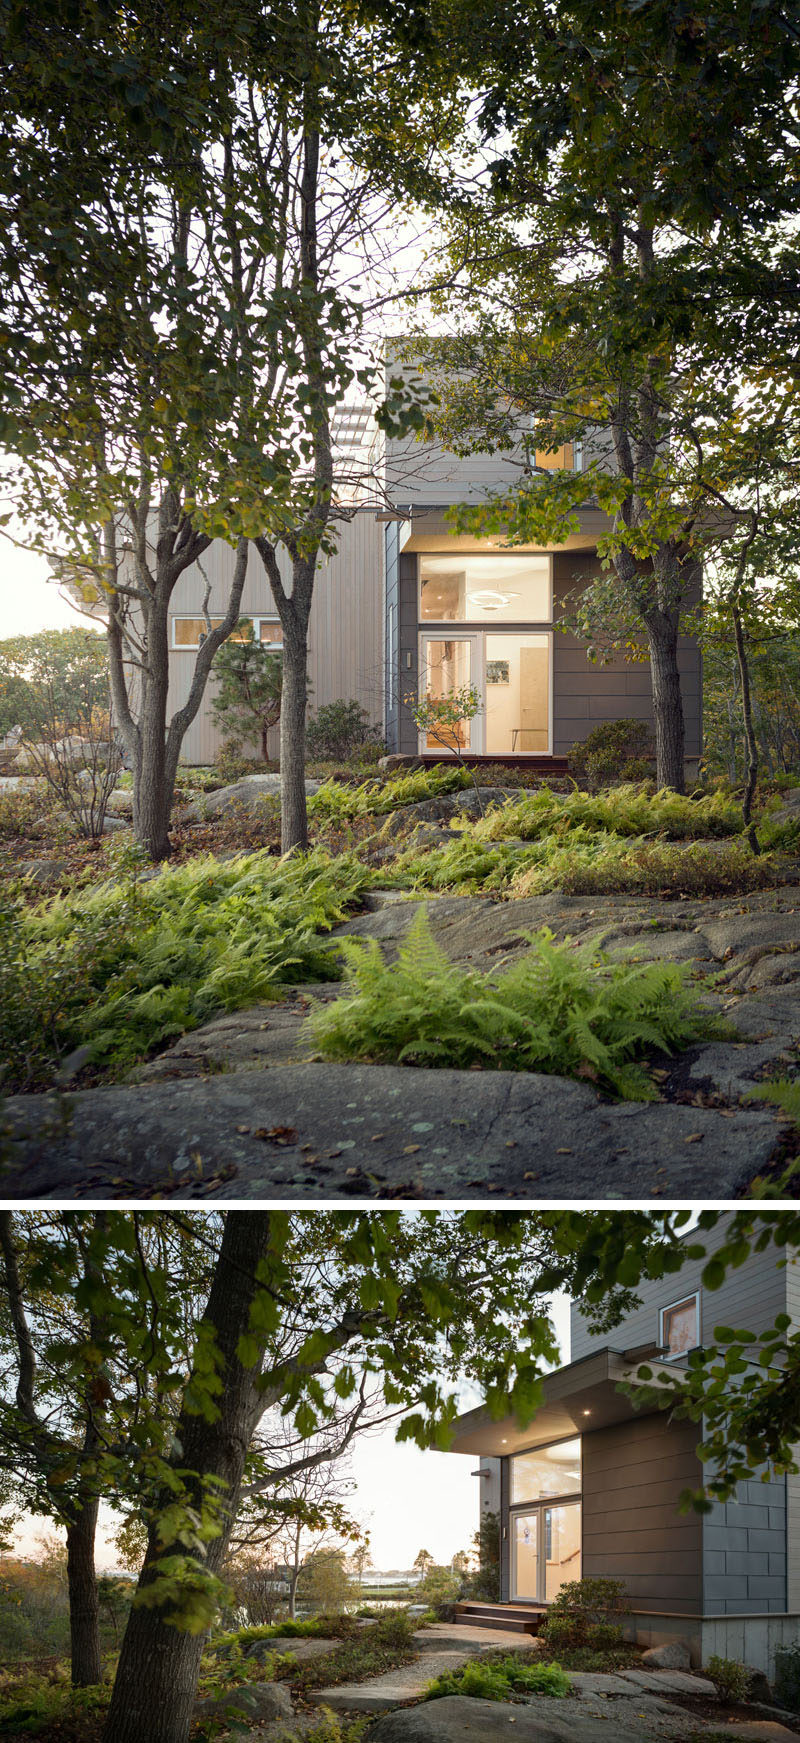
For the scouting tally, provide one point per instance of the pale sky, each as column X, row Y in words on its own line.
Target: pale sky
column 408, row 1500
column 28, row 600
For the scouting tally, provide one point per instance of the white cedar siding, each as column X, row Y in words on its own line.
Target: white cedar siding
column 345, row 629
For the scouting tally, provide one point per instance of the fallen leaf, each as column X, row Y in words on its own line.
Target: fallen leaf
column 242, row 1128
column 276, row 1134
column 410, row 1149
column 376, row 1137
column 527, row 1176
column 694, row 1138
column 511, row 1143
column 563, row 1151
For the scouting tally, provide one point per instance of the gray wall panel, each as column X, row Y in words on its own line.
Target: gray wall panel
column 632, row 1531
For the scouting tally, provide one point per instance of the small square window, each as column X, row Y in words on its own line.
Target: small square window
column 680, row 1326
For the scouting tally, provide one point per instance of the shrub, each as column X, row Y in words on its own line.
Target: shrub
column 606, row 753
column 554, row 1010
column 24, row 810
column 787, row 1676
column 584, row 1612
column 341, row 730
column 730, row 1678
column 500, row 1679
column 232, row 765
column 385, row 1645
column 250, row 680
column 440, row 1586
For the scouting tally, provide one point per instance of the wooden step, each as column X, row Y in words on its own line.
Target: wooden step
column 513, row 1619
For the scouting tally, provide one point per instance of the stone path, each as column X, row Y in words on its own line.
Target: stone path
column 240, row 1108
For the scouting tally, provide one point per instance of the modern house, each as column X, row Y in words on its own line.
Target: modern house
column 406, row 606
column 591, row 1488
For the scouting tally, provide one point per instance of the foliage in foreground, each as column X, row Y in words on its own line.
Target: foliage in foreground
column 731, row 1678
column 558, row 1010
column 126, row 965
column 43, row 1703
column 500, row 1679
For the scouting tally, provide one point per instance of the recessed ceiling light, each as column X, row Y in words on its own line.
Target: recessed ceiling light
column 587, row 1413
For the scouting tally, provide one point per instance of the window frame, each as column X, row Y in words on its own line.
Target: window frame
column 500, row 625
column 193, row 617
column 669, row 1307
column 544, row 1500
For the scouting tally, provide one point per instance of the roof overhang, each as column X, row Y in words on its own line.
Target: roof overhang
column 577, row 1399
column 427, row 530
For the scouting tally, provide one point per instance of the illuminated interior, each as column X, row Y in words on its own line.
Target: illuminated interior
column 456, row 588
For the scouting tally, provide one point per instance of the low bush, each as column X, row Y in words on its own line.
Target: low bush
column 556, row 1009
column 730, row 1678
column 124, row 966
column 651, row 869
column 607, row 752
column 342, row 730
column 787, row 1676
column 586, row 1613
column 499, row 1679
column 28, row 811
column 44, row 1705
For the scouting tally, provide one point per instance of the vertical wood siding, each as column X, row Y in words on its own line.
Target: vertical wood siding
column 345, row 629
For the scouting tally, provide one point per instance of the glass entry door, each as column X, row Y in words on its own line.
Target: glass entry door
column 511, row 674
column 545, row 1550
column 449, row 664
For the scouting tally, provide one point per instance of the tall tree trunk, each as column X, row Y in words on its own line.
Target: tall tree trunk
column 751, row 772
column 152, row 792
column 662, row 635
column 294, row 813
column 156, row 1681
column 84, row 1615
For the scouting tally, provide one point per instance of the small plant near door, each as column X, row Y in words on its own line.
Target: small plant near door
column 586, row 1613
column 442, row 718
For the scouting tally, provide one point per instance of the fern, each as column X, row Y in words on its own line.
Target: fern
column 125, row 966
column 337, row 802
column 556, row 1010
column 627, row 811
column 783, row 1092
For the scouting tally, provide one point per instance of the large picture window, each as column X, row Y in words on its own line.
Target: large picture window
column 546, row 1471
column 456, row 588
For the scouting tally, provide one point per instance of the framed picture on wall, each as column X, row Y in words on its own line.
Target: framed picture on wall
column 498, row 672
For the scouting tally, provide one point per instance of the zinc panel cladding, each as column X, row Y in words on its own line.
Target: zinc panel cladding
column 632, row 1530
column 744, row 1551
column 586, row 694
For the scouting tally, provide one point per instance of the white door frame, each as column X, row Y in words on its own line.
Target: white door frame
column 477, row 677
column 540, row 1508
